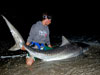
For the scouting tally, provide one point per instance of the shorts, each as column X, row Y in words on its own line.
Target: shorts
column 39, row 46
column 28, row 56
column 35, row 45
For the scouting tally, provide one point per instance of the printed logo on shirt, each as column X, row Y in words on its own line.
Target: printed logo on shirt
column 43, row 33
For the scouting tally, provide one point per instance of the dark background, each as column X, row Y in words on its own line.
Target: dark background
column 74, row 18
column 69, row 18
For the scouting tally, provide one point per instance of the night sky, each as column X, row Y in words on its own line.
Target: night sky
column 68, row 18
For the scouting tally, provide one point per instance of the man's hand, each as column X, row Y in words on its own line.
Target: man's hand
column 23, row 48
column 27, row 43
column 50, row 46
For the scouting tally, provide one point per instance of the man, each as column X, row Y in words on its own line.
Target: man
column 38, row 36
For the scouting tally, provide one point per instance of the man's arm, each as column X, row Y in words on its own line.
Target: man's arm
column 27, row 43
column 48, row 41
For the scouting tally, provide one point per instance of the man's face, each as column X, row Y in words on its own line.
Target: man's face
column 47, row 21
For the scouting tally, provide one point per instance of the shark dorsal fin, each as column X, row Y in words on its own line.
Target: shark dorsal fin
column 64, row 41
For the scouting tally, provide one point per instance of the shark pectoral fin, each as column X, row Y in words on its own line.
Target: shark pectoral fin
column 15, row 48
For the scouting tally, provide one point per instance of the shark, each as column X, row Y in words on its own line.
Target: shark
column 64, row 51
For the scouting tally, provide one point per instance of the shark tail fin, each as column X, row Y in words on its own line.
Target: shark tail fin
column 14, row 48
column 16, row 35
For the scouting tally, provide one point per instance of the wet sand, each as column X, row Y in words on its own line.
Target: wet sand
column 81, row 65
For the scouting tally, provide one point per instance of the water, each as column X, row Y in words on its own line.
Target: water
column 89, row 65
column 13, row 63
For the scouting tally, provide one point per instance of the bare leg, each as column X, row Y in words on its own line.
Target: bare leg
column 30, row 61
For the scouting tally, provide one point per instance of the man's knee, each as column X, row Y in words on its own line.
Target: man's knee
column 29, row 61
